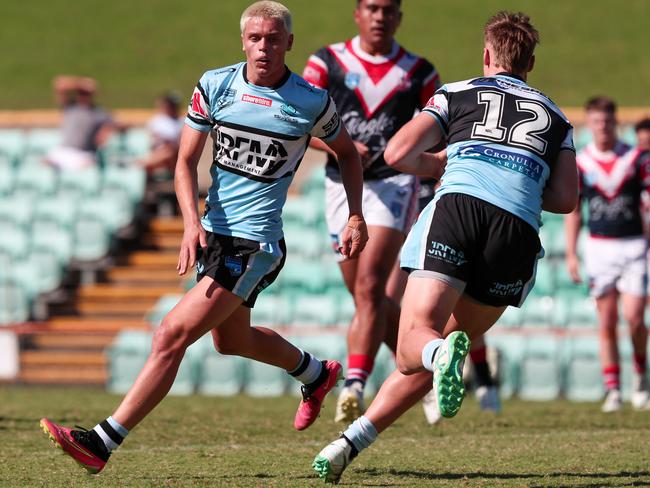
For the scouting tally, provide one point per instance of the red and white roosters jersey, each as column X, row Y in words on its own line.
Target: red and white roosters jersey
column 375, row 95
column 612, row 183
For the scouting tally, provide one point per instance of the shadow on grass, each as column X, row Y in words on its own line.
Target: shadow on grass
column 430, row 475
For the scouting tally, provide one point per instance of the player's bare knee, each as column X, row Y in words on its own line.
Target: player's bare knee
column 170, row 339
column 404, row 365
column 369, row 290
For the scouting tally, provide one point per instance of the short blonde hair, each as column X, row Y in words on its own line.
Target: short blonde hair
column 267, row 10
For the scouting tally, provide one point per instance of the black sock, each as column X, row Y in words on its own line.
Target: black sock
column 354, row 452
column 483, row 377
column 350, row 381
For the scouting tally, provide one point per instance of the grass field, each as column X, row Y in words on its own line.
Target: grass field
column 137, row 49
column 241, row 441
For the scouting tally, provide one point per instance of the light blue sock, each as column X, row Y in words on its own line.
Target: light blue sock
column 428, row 351
column 361, row 433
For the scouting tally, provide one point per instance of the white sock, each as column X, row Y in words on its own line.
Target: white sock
column 308, row 370
column 361, row 433
column 111, row 432
column 429, row 351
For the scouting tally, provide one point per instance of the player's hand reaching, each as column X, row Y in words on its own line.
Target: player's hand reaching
column 573, row 266
column 193, row 236
column 354, row 237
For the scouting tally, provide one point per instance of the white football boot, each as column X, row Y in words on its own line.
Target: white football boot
column 640, row 394
column 613, row 401
column 350, row 405
column 333, row 459
column 430, row 407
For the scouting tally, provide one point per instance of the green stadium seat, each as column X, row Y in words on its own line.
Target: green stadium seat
column 300, row 211
column 301, row 275
column 627, row 134
column 553, row 239
column 130, row 178
column 91, row 240
column 538, row 311
column 129, row 352
column 221, row 375
column 61, row 210
column 12, row 143
column 48, row 275
column 582, row 312
column 344, row 306
column 14, row 304
column 271, row 311
column 6, row 263
column 584, row 381
column 511, row 349
column 581, row 138
column 314, row 183
column 15, row 242
column 81, row 182
column 55, row 240
column 113, row 213
column 512, row 317
column 162, row 307
column 314, row 310
column 544, row 279
column 566, row 287
column 305, row 242
column 6, row 180
column 263, row 380
column 541, row 369
column 35, row 181
column 40, row 141
column 126, row 357
column 138, row 142
column 18, row 210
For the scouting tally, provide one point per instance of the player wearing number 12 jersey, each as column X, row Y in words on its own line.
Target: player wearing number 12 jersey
column 473, row 250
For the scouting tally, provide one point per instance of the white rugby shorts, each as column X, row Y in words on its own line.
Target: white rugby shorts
column 619, row 263
column 391, row 202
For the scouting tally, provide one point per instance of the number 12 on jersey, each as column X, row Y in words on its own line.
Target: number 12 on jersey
column 524, row 133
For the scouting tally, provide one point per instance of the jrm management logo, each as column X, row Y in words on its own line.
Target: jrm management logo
column 448, row 254
column 506, row 289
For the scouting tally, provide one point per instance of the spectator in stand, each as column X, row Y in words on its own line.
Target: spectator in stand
column 85, row 126
column 642, row 129
column 165, row 130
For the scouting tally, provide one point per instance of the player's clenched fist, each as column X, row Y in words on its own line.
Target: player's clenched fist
column 354, row 237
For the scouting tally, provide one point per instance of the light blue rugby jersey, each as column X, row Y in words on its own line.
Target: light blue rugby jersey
column 504, row 138
column 260, row 135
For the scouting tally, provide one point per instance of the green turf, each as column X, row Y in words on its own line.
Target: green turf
column 202, row 441
column 136, row 49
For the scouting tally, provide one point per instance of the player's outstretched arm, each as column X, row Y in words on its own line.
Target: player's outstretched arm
column 355, row 234
column 186, row 186
column 406, row 149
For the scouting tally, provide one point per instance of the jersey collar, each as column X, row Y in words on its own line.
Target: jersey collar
column 510, row 75
column 355, row 42
column 283, row 80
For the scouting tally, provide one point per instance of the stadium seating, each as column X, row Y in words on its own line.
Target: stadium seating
column 51, row 219
column 583, row 372
column 540, row 375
